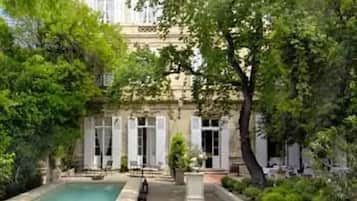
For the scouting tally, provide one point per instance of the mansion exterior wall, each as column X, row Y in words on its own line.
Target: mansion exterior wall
column 139, row 29
column 176, row 122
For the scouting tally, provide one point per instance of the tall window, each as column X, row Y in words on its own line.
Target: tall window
column 146, row 139
column 103, row 136
column 105, row 7
column 147, row 14
column 210, row 141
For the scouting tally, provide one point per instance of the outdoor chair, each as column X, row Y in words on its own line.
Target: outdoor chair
column 153, row 168
column 108, row 166
column 134, row 168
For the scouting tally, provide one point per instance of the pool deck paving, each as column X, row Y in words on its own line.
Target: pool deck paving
column 165, row 189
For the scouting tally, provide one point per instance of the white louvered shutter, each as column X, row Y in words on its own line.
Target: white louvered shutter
column 132, row 141
column 225, row 137
column 89, row 135
column 261, row 144
column 161, row 140
column 196, row 136
column 116, row 141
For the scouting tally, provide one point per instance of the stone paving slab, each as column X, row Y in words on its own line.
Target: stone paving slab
column 164, row 189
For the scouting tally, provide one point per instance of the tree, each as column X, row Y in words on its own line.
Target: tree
column 50, row 58
column 249, row 48
column 311, row 96
column 6, row 159
column 230, row 37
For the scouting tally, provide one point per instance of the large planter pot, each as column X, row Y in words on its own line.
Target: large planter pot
column 172, row 173
column 180, row 176
column 194, row 187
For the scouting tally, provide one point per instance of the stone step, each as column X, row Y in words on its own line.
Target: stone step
column 215, row 171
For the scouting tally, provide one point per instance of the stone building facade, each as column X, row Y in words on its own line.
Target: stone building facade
column 142, row 134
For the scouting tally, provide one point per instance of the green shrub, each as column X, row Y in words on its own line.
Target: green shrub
column 282, row 189
column 252, row 193
column 124, row 164
column 177, row 150
column 228, row 183
column 238, row 186
column 297, row 189
column 270, row 182
column 293, row 197
column 246, row 182
column 273, row 196
column 268, row 190
column 319, row 198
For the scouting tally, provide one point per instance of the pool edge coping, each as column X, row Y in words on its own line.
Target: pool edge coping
column 130, row 189
column 36, row 192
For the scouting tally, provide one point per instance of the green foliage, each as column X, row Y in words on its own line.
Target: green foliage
column 177, row 151
column 239, row 187
column 49, row 59
column 298, row 189
column 294, row 189
column 124, row 164
column 140, row 78
column 282, row 193
column 228, row 183
column 273, row 196
column 331, row 143
column 253, row 193
column 295, row 56
column 294, row 197
column 246, row 181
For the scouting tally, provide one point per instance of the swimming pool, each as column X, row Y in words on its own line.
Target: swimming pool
column 83, row 192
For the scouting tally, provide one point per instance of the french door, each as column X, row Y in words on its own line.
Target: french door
column 210, row 146
column 103, row 142
column 147, row 140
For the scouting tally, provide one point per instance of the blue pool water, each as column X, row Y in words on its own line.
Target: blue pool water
column 83, row 192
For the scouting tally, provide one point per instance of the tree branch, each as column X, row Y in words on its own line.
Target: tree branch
column 255, row 63
column 234, row 83
column 233, row 61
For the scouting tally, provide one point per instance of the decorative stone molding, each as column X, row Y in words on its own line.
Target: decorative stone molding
column 147, row 28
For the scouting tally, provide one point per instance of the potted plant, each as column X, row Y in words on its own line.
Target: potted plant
column 177, row 157
column 195, row 159
column 124, row 164
column 194, row 178
column 183, row 166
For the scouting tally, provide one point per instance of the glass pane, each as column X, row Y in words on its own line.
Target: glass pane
column 215, row 122
column 140, row 141
column 141, row 121
column 108, row 143
column 97, row 147
column 215, row 143
column 151, row 121
column 108, row 131
column 108, row 121
column 205, row 122
column 98, row 121
column 151, row 134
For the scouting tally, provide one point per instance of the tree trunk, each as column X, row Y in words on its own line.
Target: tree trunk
column 256, row 172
